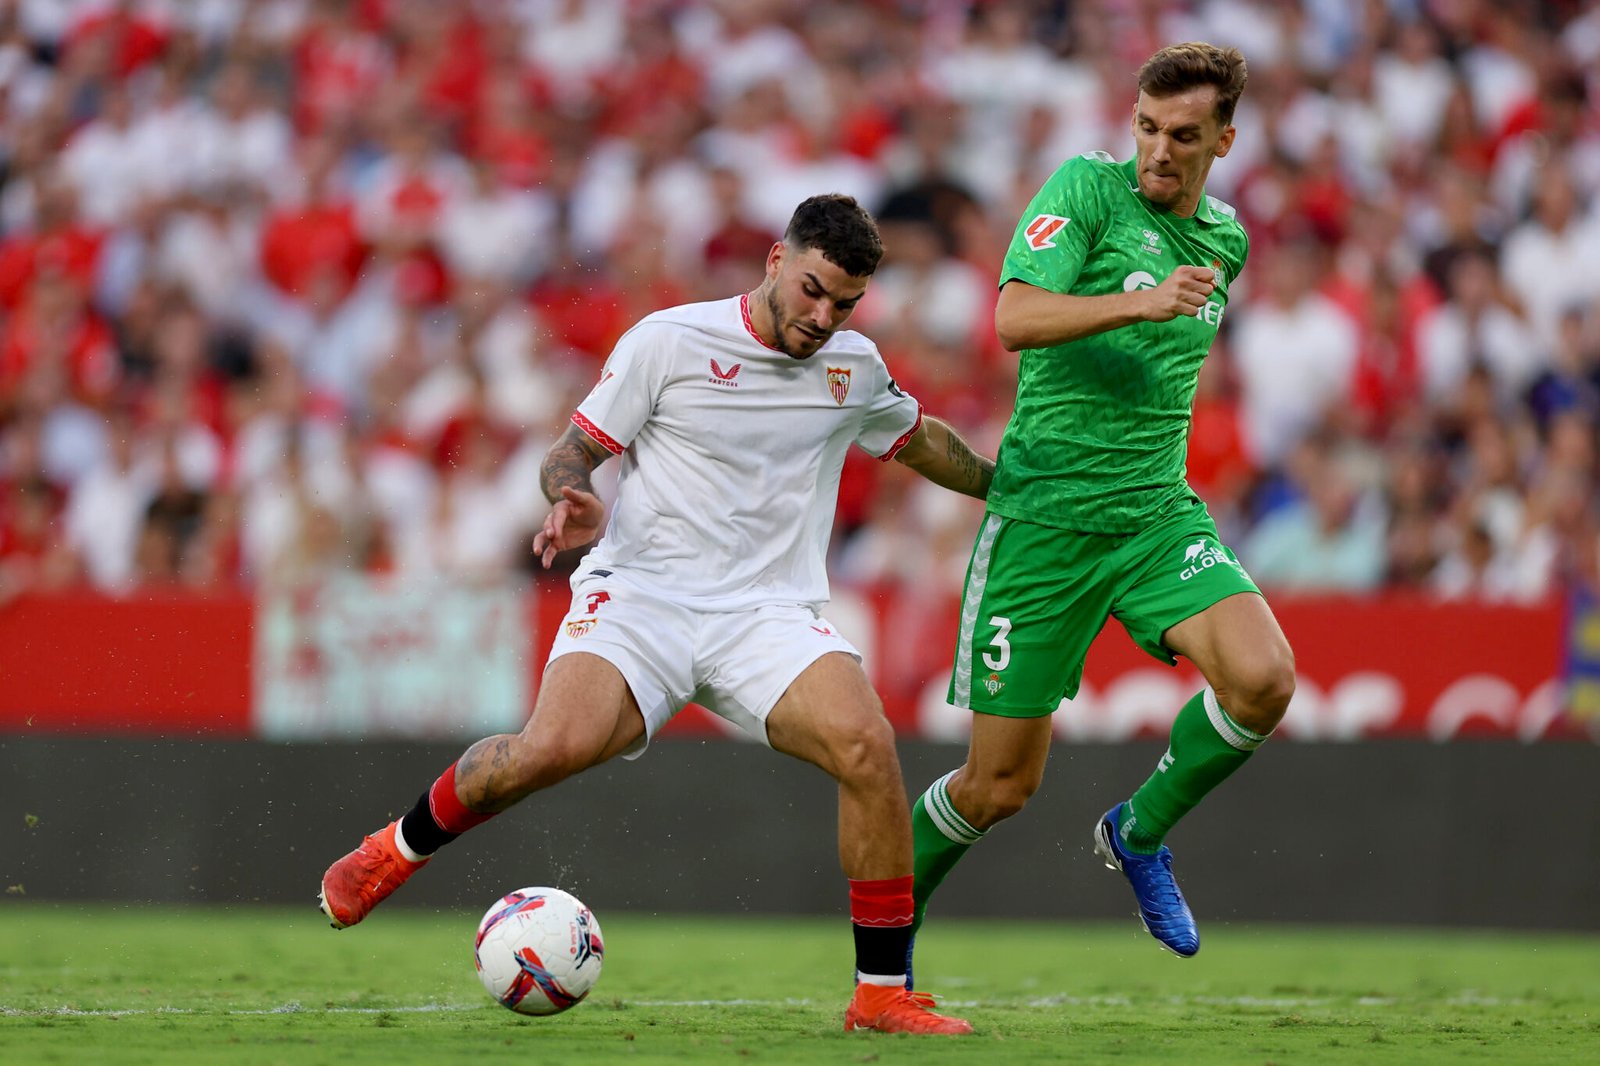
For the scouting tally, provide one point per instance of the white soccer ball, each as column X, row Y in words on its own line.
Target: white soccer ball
column 538, row 950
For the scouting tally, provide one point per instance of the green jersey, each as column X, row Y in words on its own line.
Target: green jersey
column 1100, row 431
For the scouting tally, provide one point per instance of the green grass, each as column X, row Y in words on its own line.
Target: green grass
column 107, row 984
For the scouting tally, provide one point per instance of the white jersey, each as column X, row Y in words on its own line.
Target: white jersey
column 731, row 452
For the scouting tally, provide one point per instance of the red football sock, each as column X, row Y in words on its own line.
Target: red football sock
column 449, row 813
column 880, row 912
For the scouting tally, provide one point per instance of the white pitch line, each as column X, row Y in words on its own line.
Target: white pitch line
column 1035, row 1002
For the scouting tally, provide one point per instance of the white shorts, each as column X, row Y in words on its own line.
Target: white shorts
column 735, row 664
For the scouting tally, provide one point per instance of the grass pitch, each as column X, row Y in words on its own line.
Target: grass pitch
column 115, row 985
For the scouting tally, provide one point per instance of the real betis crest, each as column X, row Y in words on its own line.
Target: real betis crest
column 839, row 383
column 994, row 684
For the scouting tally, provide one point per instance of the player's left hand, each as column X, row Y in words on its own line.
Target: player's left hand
column 573, row 522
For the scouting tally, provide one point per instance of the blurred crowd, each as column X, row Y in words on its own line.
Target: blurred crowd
column 290, row 287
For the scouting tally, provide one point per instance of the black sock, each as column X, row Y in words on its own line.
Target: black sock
column 423, row 834
column 881, row 950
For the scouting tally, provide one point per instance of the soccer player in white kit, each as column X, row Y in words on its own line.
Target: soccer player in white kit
column 732, row 419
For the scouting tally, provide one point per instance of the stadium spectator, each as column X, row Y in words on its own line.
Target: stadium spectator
column 1331, row 540
column 1545, row 260
column 1476, row 326
column 1296, row 352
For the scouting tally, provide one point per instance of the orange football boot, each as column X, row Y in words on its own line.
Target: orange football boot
column 364, row 878
column 899, row 1010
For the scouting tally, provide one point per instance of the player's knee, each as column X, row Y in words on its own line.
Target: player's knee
column 1261, row 696
column 994, row 799
column 1009, row 796
column 864, row 750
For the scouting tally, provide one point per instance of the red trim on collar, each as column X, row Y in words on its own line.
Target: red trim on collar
column 750, row 327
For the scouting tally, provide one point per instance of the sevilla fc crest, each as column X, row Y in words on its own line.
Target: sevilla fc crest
column 839, row 383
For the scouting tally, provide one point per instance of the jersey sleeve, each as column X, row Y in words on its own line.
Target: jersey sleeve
column 892, row 416
column 620, row 402
column 1063, row 221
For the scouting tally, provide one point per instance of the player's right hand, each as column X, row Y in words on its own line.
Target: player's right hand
column 572, row 522
column 1184, row 292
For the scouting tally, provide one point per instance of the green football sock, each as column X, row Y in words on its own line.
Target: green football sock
column 940, row 836
column 1206, row 746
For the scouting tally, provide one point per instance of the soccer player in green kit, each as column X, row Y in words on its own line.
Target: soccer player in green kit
column 1112, row 290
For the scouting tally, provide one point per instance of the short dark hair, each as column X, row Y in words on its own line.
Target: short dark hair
column 841, row 229
column 1178, row 68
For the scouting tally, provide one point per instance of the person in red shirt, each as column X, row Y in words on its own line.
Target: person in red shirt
column 59, row 241
column 57, row 326
column 125, row 35
column 315, row 235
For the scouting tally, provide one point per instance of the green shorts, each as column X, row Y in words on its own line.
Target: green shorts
column 1037, row 596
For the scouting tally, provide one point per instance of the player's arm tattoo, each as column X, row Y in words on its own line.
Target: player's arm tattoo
column 939, row 454
column 570, row 462
column 976, row 471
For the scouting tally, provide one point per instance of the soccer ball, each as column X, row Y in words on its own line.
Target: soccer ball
column 538, row 950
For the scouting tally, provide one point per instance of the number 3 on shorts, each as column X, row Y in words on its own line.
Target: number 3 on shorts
column 1000, row 644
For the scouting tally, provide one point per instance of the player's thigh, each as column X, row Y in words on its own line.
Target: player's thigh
column 783, row 675
column 585, row 714
column 1034, row 600
column 648, row 644
column 831, row 717
column 1174, row 571
column 1237, row 644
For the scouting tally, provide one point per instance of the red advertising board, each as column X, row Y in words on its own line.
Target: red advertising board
column 173, row 664
column 184, row 665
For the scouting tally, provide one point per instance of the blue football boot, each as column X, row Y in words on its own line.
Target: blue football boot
column 1162, row 907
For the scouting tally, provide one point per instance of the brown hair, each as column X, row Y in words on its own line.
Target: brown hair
column 840, row 229
column 1180, row 67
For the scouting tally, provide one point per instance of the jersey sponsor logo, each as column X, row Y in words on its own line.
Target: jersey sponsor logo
column 593, row 601
column 1139, row 279
column 839, row 383
column 725, row 378
column 1042, row 229
column 1152, row 242
column 579, row 626
column 1201, row 556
